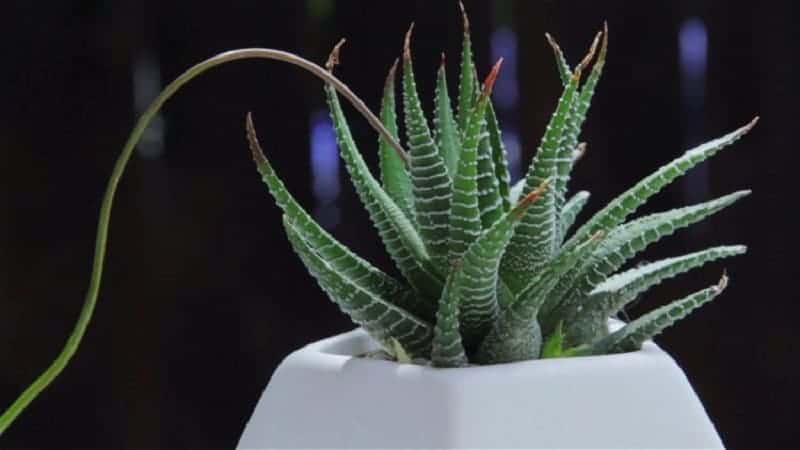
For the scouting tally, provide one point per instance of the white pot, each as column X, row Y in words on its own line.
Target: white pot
column 322, row 397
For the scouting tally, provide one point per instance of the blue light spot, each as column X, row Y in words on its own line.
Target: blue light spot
column 693, row 42
column 504, row 45
column 325, row 183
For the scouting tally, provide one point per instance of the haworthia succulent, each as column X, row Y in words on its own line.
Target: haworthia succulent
column 465, row 213
column 626, row 203
column 570, row 212
column 467, row 82
column 533, row 243
column 431, row 182
column 328, row 248
column 485, row 282
column 448, row 135
column 631, row 336
column 623, row 243
column 610, row 296
column 394, row 176
column 476, row 282
column 382, row 319
column 448, row 349
column 499, row 157
column 402, row 242
column 516, row 334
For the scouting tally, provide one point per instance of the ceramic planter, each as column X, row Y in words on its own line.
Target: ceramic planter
column 322, row 397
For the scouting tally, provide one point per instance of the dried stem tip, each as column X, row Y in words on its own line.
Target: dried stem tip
column 333, row 57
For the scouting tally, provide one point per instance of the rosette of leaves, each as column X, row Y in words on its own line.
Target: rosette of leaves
column 491, row 272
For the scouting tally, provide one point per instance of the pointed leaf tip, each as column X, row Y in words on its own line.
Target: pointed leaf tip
column 590, row 54
column 333, row 58
column 488, row 85
column 391, row 75
column 252, row 140
column 723, row 283
column 407, row 43
column 464, row 17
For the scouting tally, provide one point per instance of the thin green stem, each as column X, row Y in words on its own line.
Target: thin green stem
column 90, row 301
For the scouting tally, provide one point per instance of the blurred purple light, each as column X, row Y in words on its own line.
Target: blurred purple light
column 693, row 42
column 504, row 45
column 324, row 168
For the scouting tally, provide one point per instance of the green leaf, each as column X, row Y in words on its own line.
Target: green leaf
column 431, row 182
column 378, row 316
column 576, row 118
column 490, row 201
column 448, row 136
column 610, row 296
column 554, row 345
column 337, row 255
column 394, row 176
column 516, row 334
column 400, row 353
column 534, row 242
column 570, row 212
column 625, row 204
column 465, row 214
column 398, row 234
column 499, row 157
column 623, row 243
column 467, row 82
column 477, row 279
column 631, row 336
column 448, row 350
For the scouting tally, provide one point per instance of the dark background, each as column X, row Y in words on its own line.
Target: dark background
column 202, row 296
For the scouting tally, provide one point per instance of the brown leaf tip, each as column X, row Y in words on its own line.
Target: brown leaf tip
column 551, row 40
column 464, row 17
column 333, row 58
column 590, row 55
column 392, row 71
column 252, row 140
column 488, row 85
column 407, row 43
column 752, row 123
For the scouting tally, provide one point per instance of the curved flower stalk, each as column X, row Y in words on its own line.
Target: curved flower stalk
column 90, row 301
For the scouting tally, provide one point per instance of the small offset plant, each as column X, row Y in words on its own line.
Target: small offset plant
column 492, row 272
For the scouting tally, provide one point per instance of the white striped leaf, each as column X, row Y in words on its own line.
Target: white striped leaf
column 631, row 336
column 610, row 296
column 448, row 135
column 431, row 183
column 516, row 334
column 534, row 241
column 570, row 212
column 382, row 319
column 448, row 349
column 623, row 243
column 400, row 238
column 625, row 204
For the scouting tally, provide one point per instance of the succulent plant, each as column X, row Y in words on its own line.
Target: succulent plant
column 492, row 272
